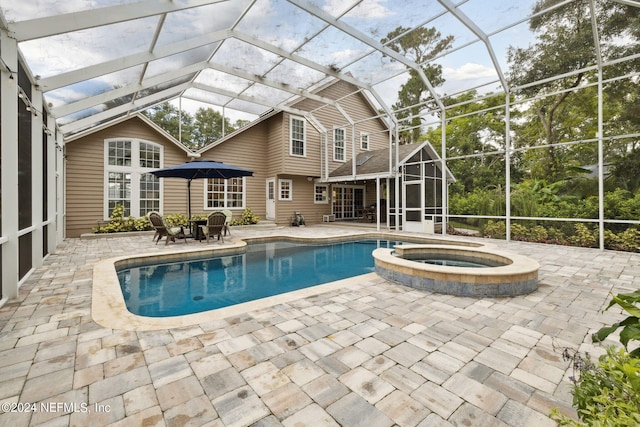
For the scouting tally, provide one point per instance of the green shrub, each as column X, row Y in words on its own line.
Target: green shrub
column 583, row 236
column 142, row 224
column 555, row 235
column 606, row 393
column 628, row 240
column 519, row 232
column 199, row 217
column 118, row 223
column 495, row 230
column 247, row 218
column 538, row 234
column 174, row 220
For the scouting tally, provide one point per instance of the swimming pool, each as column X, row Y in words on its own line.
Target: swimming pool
column 264, row 269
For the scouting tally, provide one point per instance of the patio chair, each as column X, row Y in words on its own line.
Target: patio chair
column 156, row 235
column 227, row 222
column 164, row 230
column 214, row 226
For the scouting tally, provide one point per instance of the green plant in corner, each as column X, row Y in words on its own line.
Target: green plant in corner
column 630, row 326
column 606, row 393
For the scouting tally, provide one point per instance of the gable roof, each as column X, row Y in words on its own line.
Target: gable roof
column 291, row 109
column 238, row 131
column 147, row 121
column 372, row 164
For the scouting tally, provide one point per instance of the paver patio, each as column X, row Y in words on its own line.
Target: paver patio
column 371, row 354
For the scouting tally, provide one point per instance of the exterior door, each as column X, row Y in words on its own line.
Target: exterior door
column 412, row 208
column 271, row 199
column 347, row 201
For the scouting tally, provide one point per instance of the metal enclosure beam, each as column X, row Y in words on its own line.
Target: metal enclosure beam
column 75, row 21
column 122, row 63
column 473, row 27
column 321, row 14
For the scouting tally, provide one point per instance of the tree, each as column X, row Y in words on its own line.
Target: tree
column 472, row 135
column 168, row 118
column 420, row 45
column 208, row 127
column 199, row 130
column 565, row 47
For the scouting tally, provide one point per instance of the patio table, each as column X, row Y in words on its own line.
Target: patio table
column 196, row 231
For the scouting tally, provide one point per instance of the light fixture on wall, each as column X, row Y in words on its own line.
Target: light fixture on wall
column 5, row 67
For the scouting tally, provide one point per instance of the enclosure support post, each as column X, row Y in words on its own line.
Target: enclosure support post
column 507, row 164
column 377, row 203
column 596, row 40
column 444, row 187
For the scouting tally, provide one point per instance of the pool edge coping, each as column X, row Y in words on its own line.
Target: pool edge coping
column 109, row 310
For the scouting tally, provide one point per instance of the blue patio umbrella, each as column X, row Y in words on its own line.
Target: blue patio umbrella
column 198, row 169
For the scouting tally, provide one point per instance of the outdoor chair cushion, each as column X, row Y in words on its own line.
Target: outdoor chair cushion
column 163, row 230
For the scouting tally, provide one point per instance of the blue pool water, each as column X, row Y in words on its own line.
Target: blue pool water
column 265, row 269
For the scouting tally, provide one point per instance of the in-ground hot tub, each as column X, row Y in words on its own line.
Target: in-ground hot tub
column 487, row 272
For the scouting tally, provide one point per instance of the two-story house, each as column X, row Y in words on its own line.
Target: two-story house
column 327, row 157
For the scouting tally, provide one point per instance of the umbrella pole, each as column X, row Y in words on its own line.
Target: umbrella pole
column 189, row 205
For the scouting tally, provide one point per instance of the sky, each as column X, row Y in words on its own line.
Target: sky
column 283, row 25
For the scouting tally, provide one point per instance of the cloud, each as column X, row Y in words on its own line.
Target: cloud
column 345, row 55
column 468, row 71
column 19, row 10
column 368, row 9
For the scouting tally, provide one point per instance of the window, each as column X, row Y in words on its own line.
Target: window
column 285, row 189
column 149, row 193
column 225, row 193
column 297, row 137
column 364, row 141
column 120, row 191
column 338, row 145
column 120, row 153
column 127, row 178
column 321, row 194
column 149, row 156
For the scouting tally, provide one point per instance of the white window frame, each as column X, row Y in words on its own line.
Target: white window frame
column 324, row 194
column 342, row 146
column 225, row 198
column 304, row 136
column 364, row 137
column 290, row 190
column 135, row 171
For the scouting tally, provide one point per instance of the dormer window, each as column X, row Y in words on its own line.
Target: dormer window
column 364, row 141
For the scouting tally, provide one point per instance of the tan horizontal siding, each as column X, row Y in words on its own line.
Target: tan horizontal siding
column 247, row 150
column 358, row 108
column 85, row 176
column 303, row 201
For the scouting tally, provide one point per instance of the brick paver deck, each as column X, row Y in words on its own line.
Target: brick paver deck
column 371, row 354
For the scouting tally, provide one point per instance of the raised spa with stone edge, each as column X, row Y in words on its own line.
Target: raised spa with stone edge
column 458, row 270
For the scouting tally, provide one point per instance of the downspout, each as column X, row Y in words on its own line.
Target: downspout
column 180, row 119
column 326, row 154
column 353, row 149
